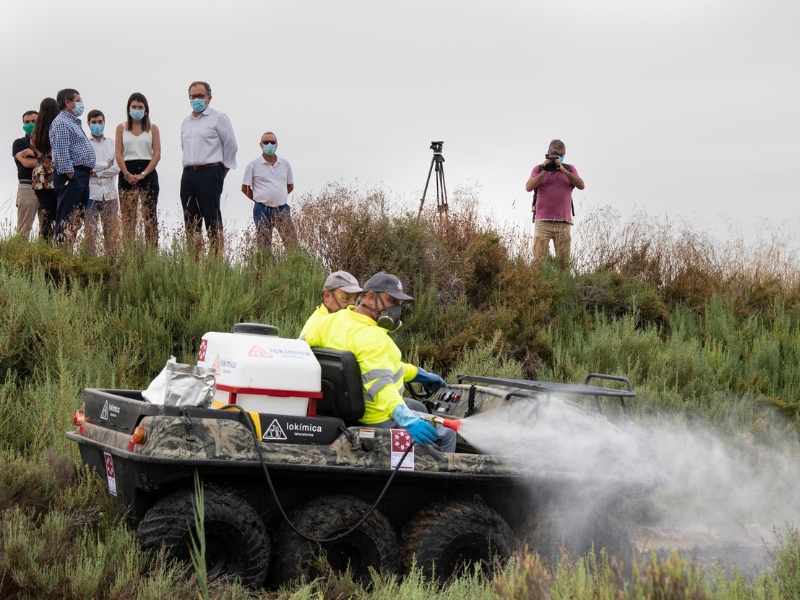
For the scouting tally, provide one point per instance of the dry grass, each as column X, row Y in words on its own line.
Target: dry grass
column 684, row 260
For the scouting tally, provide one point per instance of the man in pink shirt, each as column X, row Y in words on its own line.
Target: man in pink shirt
column 552, row 183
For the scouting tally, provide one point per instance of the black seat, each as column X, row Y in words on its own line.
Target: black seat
column 342, row 392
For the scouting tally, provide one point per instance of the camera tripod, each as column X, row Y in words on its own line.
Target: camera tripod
column 441, row 190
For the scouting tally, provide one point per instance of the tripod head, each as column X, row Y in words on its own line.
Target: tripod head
column 437, row 151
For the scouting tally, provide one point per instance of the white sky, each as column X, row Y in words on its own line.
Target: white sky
column 684, row 107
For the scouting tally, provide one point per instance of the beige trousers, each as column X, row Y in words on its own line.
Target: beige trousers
column 559, row 232
column 27, row 207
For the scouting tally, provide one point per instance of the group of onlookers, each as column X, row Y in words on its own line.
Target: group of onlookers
column 68, row 178
column 72, row 175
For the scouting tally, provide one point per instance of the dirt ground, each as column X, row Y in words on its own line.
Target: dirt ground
column 745, row 550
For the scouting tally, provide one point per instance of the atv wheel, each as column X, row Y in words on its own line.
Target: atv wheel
column 446, row 536
column 373, row 544
column 237, row 544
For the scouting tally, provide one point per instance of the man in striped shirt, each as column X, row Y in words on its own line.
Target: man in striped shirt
column 73, row 161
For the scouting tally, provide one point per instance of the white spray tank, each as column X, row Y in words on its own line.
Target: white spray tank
column 261, row 372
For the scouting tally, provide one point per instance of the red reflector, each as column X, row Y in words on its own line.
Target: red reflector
column 79, row 418
column 131, row 446
column 80, row 430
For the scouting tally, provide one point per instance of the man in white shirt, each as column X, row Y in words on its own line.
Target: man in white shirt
column 103, row 199
column 268, row 181
column 209, row 152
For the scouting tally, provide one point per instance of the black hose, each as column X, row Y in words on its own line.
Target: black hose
column 251, row 426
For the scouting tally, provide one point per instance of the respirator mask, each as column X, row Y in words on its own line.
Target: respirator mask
column 388, row 318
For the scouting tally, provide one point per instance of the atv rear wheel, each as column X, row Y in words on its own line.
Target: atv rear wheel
column 446, row 536
column 373, row 544
column 237, row 544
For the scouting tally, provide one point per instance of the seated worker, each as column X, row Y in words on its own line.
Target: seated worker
column 364, row 331
column 340, row 291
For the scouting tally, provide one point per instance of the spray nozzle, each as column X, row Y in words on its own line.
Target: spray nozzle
column 453, row 424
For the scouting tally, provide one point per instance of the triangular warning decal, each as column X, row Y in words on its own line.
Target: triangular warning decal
column 104, row 412
column 274, row 432
column 215, row 366
column 259, row 352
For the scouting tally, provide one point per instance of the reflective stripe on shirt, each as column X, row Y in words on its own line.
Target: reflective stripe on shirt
column 381, row 377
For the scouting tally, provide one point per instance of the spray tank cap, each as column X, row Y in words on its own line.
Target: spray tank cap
column 256, row 329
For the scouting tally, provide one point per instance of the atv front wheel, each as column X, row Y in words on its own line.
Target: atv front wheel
column 446, row 536
column 373, row 544
column 237, row 544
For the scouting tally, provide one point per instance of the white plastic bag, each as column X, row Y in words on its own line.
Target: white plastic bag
column 179, row 384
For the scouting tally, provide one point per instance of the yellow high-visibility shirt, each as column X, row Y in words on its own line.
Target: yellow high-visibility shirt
column 319, row 312
column 409, row 372
column 377, row 354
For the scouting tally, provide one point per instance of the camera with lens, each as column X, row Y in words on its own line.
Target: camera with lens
column 553, row 166
column 436, row 147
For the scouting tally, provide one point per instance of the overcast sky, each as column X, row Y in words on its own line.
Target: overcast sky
column 683, row 107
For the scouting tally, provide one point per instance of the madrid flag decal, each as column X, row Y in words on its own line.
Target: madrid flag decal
column 401, row 441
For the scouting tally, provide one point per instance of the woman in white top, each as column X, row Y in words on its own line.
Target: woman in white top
column 138, row 150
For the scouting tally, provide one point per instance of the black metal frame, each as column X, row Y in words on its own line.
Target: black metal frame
column 548, row 388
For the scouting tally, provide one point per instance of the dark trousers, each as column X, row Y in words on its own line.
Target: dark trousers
column 200, row 194
column 278, row 217
column 48, row 201
column 144, row 193
column 73, row 196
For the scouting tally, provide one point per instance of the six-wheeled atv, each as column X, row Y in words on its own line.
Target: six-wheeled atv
column 274, row 482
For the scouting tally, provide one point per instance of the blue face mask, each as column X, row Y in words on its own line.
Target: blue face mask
column 136, row 115
column 97, row 129
column 269, row 149
column 198, row 105
column 78, row 110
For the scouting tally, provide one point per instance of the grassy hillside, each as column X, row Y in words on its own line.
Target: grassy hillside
column 704, row 328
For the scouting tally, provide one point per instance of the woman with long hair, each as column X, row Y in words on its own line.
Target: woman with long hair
column 43, row 171
column 138, row 150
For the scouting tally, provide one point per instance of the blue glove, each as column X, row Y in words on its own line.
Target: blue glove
column 432, row 383
column 421, row 431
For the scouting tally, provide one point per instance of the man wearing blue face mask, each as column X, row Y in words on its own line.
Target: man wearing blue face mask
column 553, row 182
column 363, row 330
column 209, row 152
column 25, row 160
column 268, row 181
column 73, row 161
column 103, row 200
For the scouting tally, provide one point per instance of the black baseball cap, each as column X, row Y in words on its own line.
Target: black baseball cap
column 384, row 282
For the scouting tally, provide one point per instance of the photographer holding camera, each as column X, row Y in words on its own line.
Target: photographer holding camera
column 552, row 183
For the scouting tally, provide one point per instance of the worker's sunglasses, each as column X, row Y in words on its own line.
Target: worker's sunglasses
column 347, row 298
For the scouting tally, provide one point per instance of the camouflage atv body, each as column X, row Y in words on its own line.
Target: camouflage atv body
column 327, row 471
